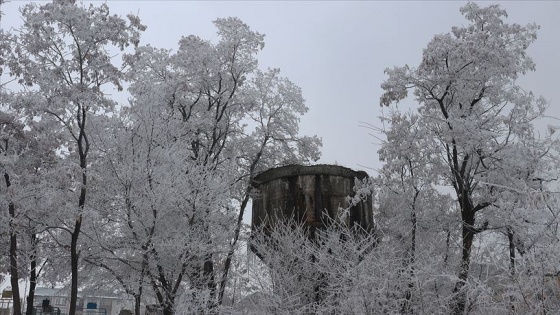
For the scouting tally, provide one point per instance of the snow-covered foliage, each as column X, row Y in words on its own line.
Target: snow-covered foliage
column 149, row 196
column 61, row 61
column 473, row 137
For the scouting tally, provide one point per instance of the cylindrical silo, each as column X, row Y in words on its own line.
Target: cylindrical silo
column 311, row 194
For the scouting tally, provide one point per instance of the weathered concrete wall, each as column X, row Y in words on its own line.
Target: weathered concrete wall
column 309, row 194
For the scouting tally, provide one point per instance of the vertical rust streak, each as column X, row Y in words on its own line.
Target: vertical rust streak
column 318, row 199
column 291, row 200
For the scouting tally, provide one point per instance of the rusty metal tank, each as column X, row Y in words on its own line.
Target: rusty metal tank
column 311, row 194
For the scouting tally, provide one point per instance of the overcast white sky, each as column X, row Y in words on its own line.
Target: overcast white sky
column 336, row 52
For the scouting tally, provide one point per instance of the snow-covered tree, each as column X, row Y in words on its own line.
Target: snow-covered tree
column 478, row 126
column 412, row 213
column 61, row 59
column 209, row 117
column 13, row 143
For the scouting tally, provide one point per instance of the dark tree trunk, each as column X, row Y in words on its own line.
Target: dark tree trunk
column 168, row 308
column 511, row 252
column 227, row 264
column 83, row 149
column 137, row 304
column 74, row 254
column 447, row 244
column 32, row 276
column 511, row 263
column 407, row 304
column 138, row 296
column 74, row 259
column 468, row 233
column 211, row 281
column 460, row 298
column 14, row 278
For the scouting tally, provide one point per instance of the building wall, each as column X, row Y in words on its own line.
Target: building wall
column 111, row 305
column 313, row 195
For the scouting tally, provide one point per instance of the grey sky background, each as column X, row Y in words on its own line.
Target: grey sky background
column 336, row 52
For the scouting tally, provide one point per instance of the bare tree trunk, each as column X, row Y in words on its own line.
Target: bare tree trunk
column 447, row 245
column 468, row 233
column 137, row 304
column 407, row 304
column 83, row 149
column 511, row 263
column 511, row 251
column 74, row 259
column 14, row 277
column 138, row 296
column 411, row 259
column 32, row 276
column 168, row 308
column 460, row 296
column 227, row 264
column 74, row 254
column 209, row 277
